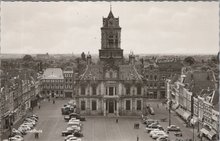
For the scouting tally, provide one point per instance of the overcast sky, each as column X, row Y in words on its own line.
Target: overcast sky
column 147, row 27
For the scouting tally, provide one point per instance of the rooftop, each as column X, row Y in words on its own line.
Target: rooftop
column 53, row 73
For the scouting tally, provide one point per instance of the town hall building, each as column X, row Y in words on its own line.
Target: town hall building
column 111, row 86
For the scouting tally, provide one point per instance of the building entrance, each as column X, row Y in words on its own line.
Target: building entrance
column 111, row 106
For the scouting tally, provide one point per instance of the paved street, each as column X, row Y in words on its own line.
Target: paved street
column 50, row 121
column 98, row 128
column 162, row 112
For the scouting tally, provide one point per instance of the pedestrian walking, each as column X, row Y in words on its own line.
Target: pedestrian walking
column 157, row 105
column 116, row 120
column 38, row 105
column 53, row 101
column 137, row 138
column 36, row 135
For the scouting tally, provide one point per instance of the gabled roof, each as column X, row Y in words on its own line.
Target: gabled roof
column 92, row 72
column 128, row 72
column 211, row 96
column 195, row 81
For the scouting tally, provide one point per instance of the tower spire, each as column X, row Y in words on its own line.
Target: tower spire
column 110, row 6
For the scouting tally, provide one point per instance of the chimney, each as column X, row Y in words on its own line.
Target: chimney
column 89, row 59
column 131, row 58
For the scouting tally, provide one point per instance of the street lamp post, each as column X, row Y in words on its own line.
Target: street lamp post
column 193, row 128
column 170, row 102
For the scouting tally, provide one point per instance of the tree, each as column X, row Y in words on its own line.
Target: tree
column 27, row 58
column 189, row 60
column 83, row 56
column 214, row 59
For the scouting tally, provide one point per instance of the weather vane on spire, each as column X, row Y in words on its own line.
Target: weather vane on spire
column 110, row 6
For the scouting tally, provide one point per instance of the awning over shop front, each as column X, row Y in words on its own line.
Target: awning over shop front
column 186, row 115
column 194, row 120
column 204, row 131
column 211, row 134
column 179, row 111
column 175, row 106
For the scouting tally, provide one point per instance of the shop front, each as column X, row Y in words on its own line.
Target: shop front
column 183, row 114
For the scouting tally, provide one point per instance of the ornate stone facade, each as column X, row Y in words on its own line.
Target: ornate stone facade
column 110, row 86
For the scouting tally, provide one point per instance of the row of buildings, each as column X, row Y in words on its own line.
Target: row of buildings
column 18, row 95
column 194, row 95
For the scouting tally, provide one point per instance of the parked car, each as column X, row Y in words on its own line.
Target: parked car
column 74, row 139
column 25, row 127
column 78, row 134
column 173, row 128
column 152, row 124
column 75, row 128
column 32, row 118
column 22, row 129
column 16, row 132
column 67, row 132
column 35, row 116
column 16, row 138
column 154, row 127
column 153, row 132
column 162, row 138
column 157, row 135
column 74, row 120
column 28, row 124
column 178, row 134
column 67, row 137
column 150, row 121
column 74, row 115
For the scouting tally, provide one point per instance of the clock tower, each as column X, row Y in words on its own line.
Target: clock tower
column 111, row 39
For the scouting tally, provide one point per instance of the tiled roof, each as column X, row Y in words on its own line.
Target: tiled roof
column 95, row 72
column 216, row 107
column 206, row 92
column 92, row 72
column 128, row 72
column 170, row 65
column 215, row 99
column 195, row 81
column 211, row 96
column 53, row 73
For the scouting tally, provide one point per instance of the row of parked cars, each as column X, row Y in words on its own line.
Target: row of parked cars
column 74, row 121
column 156, row 131
column 28, row 124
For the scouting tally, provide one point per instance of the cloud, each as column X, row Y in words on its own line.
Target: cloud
column 147, row 27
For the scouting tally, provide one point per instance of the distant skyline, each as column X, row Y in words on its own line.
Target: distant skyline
column 74, row 27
